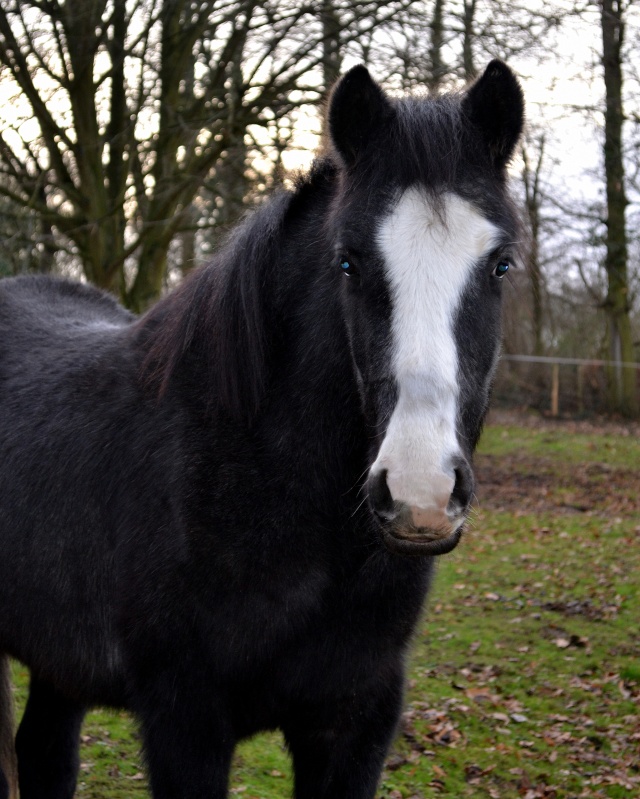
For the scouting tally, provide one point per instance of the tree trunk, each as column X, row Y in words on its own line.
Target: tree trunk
column 531, row 180
column 188, row 245
column 331, row 55
column 468, row 34
column 147, row 286
column 438, row 69
column 617, row 306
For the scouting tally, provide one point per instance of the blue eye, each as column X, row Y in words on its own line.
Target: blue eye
column 347, row 267
column 501, row 269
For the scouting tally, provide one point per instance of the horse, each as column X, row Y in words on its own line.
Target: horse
column 224, row 515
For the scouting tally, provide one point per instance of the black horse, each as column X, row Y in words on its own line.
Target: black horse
column 223, row 515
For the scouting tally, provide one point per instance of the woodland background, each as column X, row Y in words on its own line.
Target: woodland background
column 134, row 133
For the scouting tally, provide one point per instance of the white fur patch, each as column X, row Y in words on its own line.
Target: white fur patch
column 430, row 255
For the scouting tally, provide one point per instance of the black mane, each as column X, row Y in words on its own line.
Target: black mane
column 220, row 312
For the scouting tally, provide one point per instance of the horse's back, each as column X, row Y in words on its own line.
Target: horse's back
column 67, row 401
column 50, row 328
column 36, row 302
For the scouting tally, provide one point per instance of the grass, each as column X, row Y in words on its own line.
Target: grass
column 525, row 676
column 563, row 442
column 527, row 663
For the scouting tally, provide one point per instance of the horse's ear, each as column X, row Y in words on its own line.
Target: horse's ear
column 356, row 108
column 495, row 104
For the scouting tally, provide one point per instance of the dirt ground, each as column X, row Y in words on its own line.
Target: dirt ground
column 520, row 482
column 597, row 425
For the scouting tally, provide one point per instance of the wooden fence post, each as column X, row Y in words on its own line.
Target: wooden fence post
column 555, row 388
column 580, row 388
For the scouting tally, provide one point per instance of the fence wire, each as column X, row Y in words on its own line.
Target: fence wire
column 556, row 386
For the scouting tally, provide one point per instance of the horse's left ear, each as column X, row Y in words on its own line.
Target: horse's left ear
column 495, row 103
column 357, row 107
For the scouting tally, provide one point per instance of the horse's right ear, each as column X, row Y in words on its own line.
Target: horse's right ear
column 495, row 104
column 356, row 108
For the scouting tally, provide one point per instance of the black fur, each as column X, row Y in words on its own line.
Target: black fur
column 182, row 524
column 495, row 104
column 357, row 111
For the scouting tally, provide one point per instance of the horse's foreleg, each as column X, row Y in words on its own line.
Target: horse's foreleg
column 188, row 747
column 47, row 744
column 338, row 752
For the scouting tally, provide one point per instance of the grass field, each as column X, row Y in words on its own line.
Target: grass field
column 525, row 675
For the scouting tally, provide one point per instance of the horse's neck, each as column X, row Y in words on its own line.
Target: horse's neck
column 312, row 376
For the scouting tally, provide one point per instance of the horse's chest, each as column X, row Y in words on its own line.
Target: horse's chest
column 320, row 622
column 353, row 633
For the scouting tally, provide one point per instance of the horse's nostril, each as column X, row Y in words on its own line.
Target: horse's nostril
column 462, row 493
column 380, row 496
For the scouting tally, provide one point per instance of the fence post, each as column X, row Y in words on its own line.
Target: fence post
column 583, row 376
column 580, row 387
column 555, row 388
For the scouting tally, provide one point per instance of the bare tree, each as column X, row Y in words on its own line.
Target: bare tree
column 533, row 199
column 617, row 305
column 123, row 109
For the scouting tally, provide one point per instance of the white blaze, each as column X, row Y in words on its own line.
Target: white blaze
column 430, row 254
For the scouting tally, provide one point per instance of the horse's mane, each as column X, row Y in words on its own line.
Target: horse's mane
column 223, row 312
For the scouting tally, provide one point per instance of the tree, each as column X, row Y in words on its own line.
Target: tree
column 123, row 109
column 25, row 248
column 617, row 304
column 531, row 179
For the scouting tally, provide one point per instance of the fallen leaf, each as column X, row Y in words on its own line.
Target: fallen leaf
column 439, row 772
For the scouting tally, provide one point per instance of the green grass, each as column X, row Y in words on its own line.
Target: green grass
column 530, row 649
column 525, row 675
column 561, row 443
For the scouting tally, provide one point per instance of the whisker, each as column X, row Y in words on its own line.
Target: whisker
column 358, row 479
column 364, row 499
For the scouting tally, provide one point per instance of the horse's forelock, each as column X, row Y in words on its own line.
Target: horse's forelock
column 427, row 142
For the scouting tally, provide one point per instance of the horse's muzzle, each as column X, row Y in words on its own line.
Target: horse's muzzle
column 421, row 543
column 419, row 531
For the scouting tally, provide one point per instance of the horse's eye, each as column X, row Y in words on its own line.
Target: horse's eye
column 501, row 269
column 348, row 267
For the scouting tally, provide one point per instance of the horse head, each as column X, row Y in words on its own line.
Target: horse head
column 424, row 234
